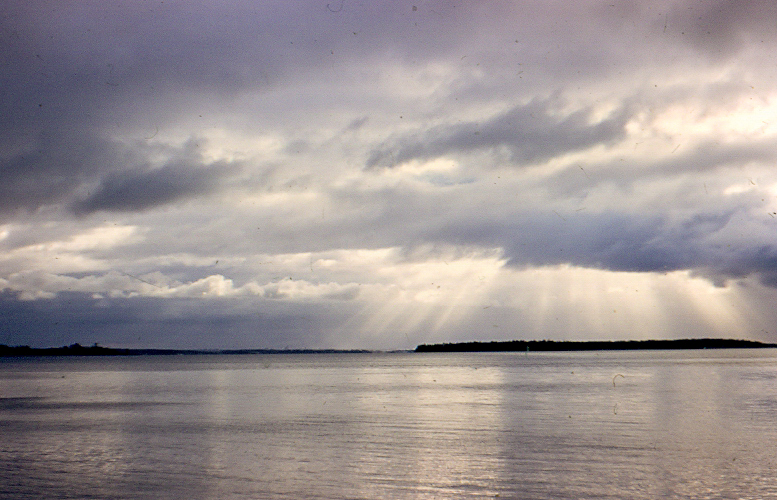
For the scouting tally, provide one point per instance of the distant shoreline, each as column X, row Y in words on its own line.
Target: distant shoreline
column 475, row 346
column 97, row 350
column 595, row 345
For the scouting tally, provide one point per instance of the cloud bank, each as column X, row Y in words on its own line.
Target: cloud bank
column 183, row 174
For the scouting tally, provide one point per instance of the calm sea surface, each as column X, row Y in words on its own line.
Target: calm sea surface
column 626, row 425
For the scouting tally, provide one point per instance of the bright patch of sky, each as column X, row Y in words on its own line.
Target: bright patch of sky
column 310, row 174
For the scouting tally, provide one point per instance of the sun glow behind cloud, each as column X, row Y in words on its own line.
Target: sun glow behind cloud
column 432, row 293
column 391, row 173
column 578, row 303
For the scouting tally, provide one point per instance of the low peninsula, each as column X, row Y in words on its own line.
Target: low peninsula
column 594, row 345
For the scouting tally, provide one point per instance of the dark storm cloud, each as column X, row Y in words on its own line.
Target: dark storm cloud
column 71, row 75
column 759, row 261
column 139, row 189
column 644, row 241
column 628, row 242
column 49, row 171
column 160, row 323
column 74, row 75
column 531, row 133
column 60, row 166
column 611, row 241
column 109, row 49
column 93, row 53
column 55, row 163
column 134, row 191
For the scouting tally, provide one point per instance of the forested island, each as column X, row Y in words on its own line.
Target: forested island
column 595, row 345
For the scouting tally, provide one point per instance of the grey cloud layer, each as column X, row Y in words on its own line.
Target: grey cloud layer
column 223, row 131
column 723, row 28
column 164, row 323
column 138, row 189
column 531, row 133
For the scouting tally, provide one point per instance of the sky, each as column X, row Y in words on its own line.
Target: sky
column 346, row 174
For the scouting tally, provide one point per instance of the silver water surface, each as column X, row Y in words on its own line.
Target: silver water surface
column 697, row 424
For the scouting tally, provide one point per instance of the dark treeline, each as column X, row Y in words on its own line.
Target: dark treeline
column 494, row 346
column 596, row 345
column 97, row 350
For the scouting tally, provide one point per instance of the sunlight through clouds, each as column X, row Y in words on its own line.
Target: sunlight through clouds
column 431, row 292
column 634, row 304
column 388, row 174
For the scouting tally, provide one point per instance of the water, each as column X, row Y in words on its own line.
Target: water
column 627, row 425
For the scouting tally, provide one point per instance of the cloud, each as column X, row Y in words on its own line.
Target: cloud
column 275, row 167
column 89, row 173
column 50, row 169
column 139, row 190
column 722, row 28
column 163, row 323
column 531, row 133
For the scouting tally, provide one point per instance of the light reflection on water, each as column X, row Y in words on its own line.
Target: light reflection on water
column 696, row 424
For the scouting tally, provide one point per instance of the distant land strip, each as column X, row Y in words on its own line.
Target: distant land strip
column 595, row 345
column 98, row 350
column 493, row 346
